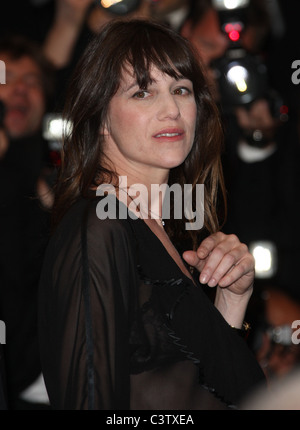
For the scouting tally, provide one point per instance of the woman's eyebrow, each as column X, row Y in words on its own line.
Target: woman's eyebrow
column 129, row 86
column 125, row 88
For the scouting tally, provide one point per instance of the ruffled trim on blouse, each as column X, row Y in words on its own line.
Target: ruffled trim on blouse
column 167, row 295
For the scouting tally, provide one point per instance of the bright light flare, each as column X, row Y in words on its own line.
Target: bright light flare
column 55, row 127
column 108, row 3
column 238, row 75
column 230, row 4
column 265, row 256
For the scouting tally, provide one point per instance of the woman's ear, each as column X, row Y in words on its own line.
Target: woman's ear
column 104, row 130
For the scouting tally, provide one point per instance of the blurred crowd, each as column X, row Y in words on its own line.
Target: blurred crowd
column 40, row 44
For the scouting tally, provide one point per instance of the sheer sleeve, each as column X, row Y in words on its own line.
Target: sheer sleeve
column 86, row 289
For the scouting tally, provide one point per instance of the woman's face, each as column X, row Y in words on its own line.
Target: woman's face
column 150, row 130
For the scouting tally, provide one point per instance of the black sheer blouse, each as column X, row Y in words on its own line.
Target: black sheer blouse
column 121, row 327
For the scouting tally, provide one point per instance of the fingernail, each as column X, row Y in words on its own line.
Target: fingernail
column 203, row 278
column 212, row 282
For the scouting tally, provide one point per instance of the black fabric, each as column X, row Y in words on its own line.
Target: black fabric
column 3, row 392
column 24, row 230
column 158, row 341
column 263, row 202
column 87, row 312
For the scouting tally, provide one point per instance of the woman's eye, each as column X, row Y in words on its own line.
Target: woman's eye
column 182, row 91
column 142, row 94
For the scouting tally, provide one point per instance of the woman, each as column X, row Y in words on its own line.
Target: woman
column 124, row 323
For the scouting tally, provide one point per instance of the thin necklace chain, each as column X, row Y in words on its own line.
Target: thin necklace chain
column 156, row 216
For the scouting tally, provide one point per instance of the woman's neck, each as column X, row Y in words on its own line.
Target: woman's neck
column 142, row 195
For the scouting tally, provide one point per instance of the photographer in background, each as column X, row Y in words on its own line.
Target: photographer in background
column 24, row 224
column 261, row 153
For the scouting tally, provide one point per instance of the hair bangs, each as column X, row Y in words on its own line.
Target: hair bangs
column 158, row 50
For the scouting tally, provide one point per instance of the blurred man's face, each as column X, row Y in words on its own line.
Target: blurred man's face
column 23, row 96
column 207, row 37
column 162, row 7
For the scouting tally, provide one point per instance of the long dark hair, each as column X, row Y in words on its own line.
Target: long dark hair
column 141, row 44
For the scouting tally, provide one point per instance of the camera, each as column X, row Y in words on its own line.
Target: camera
column 54, row 129
column 119, row 7
column 241, row 76
column 232, row 15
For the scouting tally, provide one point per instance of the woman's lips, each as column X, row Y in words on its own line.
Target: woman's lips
column 169, row 134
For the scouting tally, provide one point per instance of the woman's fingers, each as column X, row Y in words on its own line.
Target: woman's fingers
column 222, row 260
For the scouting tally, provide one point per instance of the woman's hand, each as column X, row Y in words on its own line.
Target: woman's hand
column 64, row 31
column 224, row 261
column 72, row 11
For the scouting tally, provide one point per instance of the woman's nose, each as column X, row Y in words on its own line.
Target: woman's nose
column 168, row 108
